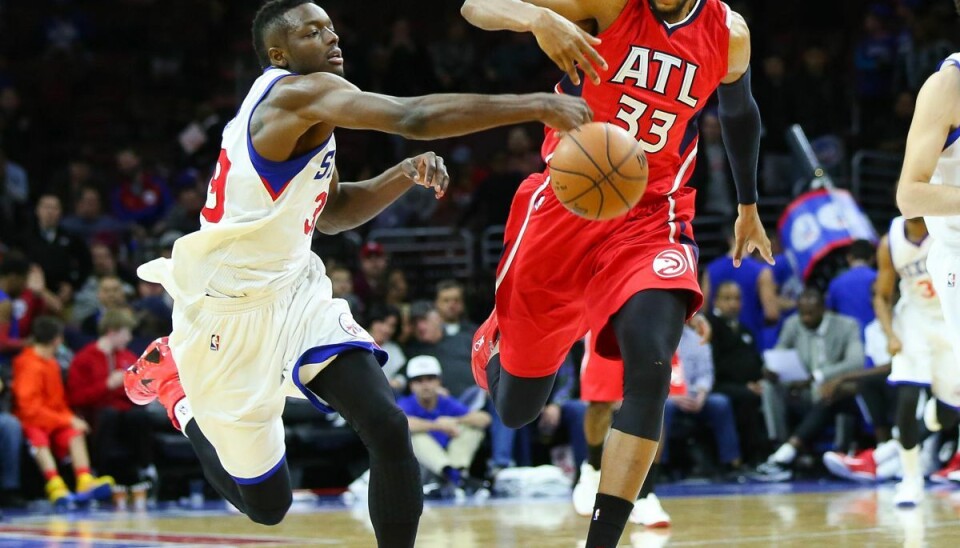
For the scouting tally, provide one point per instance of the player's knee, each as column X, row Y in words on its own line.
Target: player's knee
column 389, row 436
column 515, row 415
column 645, row 389
column 273, row 514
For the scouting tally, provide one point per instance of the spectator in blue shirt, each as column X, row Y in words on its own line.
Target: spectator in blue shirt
column 851, row 293
column 445, row 433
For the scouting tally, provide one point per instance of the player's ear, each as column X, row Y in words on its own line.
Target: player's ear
column 278, row 57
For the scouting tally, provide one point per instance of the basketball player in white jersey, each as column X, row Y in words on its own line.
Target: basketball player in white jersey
column 254, row 316
column 929, row 186
column 916, row 339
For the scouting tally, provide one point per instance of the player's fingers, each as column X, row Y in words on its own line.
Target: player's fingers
column 567, row 65
column 738, row 252
column 586, row 67
column 766, row 251
column 443, row 178
column 409, row 169
column 429, row 169
column 587, row 47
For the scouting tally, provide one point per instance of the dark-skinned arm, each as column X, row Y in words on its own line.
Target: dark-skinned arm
column 350, row 205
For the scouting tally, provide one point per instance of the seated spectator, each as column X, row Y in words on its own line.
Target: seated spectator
column 104, row 264
column 88, row 222
column 691, row 394
column 65, row 260
column 445, row 433
column 341, row 280
column 453, row 351
column 184, row 216
column 449, row 304
column 370, row 282
column 13, row 280
column 154, row 311
column 121, row 430
column 851, row 292
column 738, row 368
column 140, row 196
column 829, row 346
column 48, row 424
column 383, row 322
column 11, row 440
column 110, row 296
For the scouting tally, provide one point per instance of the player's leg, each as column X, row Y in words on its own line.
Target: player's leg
column 518, row 400
column 648, row 328
column 596, row 426
column 909, row 490
column 87, row 484
column 354, row 385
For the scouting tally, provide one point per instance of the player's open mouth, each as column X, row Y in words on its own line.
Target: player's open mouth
column 335, row 57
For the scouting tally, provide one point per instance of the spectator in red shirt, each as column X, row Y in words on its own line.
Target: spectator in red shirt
column 121, row 431
column 48, row 424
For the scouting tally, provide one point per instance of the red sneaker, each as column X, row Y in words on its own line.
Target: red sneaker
column 486, row 343
column 860, row 467
column 940, row 476
column 155, row 376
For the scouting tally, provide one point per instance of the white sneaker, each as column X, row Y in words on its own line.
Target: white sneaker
column 908, row 492
column 585, row 491
column 648, row 512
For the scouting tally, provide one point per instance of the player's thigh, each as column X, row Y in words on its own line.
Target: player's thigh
column 231, row 365
column 913, row 364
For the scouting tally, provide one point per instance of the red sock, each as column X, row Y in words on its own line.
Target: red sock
column 50, row 474
column 79, row 471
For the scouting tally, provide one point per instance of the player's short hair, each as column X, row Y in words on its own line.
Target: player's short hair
column 46, row 329
column 268, row 17
column 727, row 283
column 812, row 294
column 116, row 319
column 862, row 250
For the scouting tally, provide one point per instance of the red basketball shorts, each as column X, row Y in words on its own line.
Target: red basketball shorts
column 601, row 379
column 57, row 440
column 561, row 275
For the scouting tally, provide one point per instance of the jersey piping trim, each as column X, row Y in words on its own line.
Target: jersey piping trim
column 275, row 176
column 690, row 18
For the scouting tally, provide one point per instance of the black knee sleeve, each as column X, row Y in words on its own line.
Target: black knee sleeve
column 648, row 329
column 947, row 416
column 645, row 390
column 518, row 400
column 907, row 399
column 268, row 501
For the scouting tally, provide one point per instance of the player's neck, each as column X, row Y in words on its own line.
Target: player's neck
column 45, row 351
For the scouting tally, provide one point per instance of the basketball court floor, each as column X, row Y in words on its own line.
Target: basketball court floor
column 808, row 515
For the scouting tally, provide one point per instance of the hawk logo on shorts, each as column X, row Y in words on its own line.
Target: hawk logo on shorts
column 951, row 280
column 670, row 264
column 479, row 344
column 215, row 343
column 348, row 324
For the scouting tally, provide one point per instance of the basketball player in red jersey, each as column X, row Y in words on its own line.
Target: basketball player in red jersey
column 652, row 66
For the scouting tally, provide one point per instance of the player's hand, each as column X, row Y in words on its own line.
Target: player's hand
column 79, row 425
column 750, row 235
column 563, row 112
column 568, row 45
column 549, row 419
column 427, row 170
column 828, row 389
column 770, row 375
column 700, row 324
column 894, row 346
column 755, row 387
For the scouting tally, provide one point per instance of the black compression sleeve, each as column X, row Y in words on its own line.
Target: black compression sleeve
column 740, row 126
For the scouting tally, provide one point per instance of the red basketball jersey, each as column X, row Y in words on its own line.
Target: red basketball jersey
column 658, row 80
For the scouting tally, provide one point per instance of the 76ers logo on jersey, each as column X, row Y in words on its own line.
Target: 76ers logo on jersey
column 348, row 324
column 670, row 263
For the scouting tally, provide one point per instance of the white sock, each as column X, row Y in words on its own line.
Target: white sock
column 910, row 460
column 886, row 451
column 184, row 414
column 785, row 454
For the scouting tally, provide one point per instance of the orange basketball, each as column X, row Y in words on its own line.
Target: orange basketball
column 598, row 171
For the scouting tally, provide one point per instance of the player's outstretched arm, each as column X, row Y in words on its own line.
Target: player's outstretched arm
column 552, row 22
column 937, row 112
column 326, row 98
column 883, row 293
column 740, row 126
column 350, row 205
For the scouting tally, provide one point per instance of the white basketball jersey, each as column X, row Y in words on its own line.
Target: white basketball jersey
column 910, row 262
column 257, row 225
column 947, row 172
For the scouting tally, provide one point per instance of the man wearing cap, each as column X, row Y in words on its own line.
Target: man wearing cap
column 445, row 433
column 370, row 284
